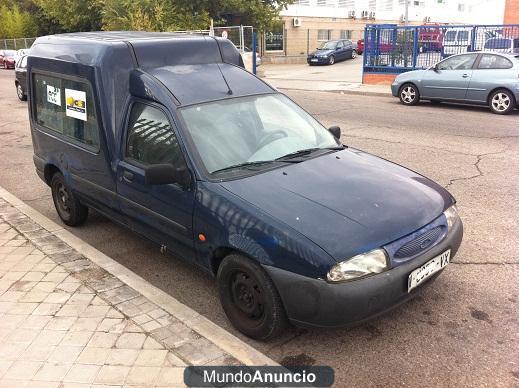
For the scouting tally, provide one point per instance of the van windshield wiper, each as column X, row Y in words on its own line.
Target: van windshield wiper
column 306, row 151
column 244, row 165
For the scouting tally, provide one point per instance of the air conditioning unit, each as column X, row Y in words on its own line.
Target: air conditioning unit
column 372, row 15
column 297, row 22
column 351, row 14
column 364, row 14
column 402, row 18
column 427, row 19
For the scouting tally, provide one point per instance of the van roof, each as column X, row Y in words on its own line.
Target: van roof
column 163, row 55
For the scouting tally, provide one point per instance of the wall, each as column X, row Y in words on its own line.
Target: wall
column 512, row 12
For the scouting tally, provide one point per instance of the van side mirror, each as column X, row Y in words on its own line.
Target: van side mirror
column 165, row 174
column 335, row 131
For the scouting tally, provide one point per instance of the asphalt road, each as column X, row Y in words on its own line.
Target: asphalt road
column 462, row 331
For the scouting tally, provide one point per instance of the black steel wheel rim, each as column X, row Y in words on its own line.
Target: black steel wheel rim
column 62, row 199
column 247, row 295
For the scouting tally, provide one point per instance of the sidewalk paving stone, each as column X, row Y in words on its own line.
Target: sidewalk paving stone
column 65, row 321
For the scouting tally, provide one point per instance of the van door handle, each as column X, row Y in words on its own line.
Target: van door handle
column 128, row 176
column 465, row 76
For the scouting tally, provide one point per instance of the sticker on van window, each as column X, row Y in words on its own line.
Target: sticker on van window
column 75, row 104
column 54, row 95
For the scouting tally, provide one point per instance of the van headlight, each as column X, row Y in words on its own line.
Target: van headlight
column 452, row 216
column 359, row 266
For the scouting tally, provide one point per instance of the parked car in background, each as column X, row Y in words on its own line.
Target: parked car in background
column 20, row 81
column 430, row 38
column 7, row 59
column 333, row 51
column 503, row 45
column 248, row 53
column 360, row 46
column 486, row 78
column 19, row 54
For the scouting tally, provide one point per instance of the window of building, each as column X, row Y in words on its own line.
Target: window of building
column 346, row 34
column 461, row 7
column 372, row 4
column 67, row 107
column 150, row 138
column 347, row 4
column 489, row 61
column 323, row 35
column 275, row 38
column 321, row 3
column 302, row 2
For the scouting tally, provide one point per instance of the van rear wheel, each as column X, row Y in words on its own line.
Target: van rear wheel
column 250, row 299
column 69, row 209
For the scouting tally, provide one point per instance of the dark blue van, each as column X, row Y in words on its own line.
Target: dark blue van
column 171, row 137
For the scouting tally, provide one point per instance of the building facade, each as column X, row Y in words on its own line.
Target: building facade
column 512, row 12
column 307, row 23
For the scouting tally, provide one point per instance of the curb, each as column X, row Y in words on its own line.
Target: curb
column 234, row 346
column 342, row 91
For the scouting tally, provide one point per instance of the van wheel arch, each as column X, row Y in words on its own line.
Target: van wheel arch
column 49, row 172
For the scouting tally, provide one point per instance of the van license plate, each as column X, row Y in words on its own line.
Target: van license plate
column 419, row 275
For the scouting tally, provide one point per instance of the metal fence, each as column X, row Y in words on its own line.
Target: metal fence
column 396, row 49
column 16, row 44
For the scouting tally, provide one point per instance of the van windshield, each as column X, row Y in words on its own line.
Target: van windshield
column 250, row 130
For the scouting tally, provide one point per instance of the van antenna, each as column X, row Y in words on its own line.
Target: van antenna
column 229, row 91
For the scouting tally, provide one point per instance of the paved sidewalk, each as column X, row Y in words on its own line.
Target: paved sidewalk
column 331, row 86
column 65, row 321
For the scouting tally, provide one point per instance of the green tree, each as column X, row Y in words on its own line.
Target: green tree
column 16, row 23
column 73, row 15
column 150, row 15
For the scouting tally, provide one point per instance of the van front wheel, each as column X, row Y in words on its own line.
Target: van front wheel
column 69, row 209
column 250, row 299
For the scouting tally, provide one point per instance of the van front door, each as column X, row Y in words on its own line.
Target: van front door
column 163, row 213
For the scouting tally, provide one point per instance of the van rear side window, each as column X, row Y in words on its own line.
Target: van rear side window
column 67, row 107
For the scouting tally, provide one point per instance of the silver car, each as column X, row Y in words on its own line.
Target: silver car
column 483, row 78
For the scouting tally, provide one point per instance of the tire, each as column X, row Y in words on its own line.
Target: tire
column 250, row 299
column 19, row 92
column 501, row 102
column 68, row 207
column 331, row 60
column 354, row 54
column 409, row 94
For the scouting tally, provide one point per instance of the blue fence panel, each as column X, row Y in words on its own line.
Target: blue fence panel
column 394, row 49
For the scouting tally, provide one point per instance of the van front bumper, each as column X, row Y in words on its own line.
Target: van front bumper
column 317, row 303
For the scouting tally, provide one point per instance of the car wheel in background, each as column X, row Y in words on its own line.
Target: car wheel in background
column 249, row 298
column 69, row 209
column 331, row 60
column 19, row 92
column 354, row 54
column 502, row 102
column 409, row 94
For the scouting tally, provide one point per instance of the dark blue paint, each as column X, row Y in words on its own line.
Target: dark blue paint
column 301, row 218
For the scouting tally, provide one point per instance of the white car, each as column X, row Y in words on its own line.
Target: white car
column 20, row 53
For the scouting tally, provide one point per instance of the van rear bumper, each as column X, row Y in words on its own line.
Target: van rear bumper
column 39, row 163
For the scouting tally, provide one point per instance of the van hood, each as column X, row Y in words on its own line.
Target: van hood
column 347, row 202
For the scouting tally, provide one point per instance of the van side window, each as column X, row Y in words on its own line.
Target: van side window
column 66, row 107
column 150, row 138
